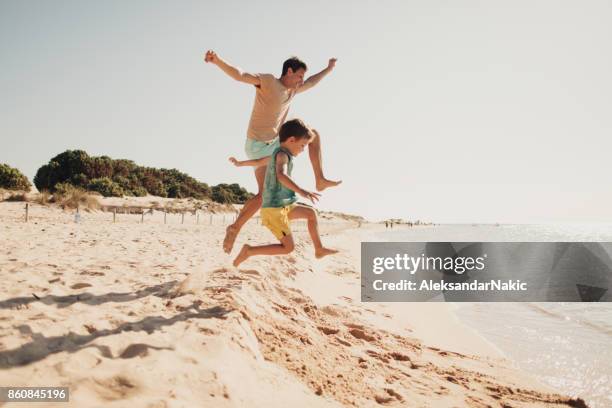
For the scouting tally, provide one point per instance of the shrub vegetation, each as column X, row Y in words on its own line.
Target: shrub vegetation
column 114, row 178
column 13, row 179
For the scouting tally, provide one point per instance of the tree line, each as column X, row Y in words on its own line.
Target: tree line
column 116, row 178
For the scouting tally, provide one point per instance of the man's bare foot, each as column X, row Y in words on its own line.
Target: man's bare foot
column 230, row 236
column 243, row 255
column 321, row 252
column 322, row 184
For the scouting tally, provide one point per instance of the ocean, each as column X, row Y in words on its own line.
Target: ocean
column 567, row 345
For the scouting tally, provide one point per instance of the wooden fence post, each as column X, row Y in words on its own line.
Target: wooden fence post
column 165, row 212
column 27, row 209
column 182, row 218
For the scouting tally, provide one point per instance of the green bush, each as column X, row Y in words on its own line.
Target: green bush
column 123, row 177
column 106, row 187
column 230, row 193
column 13, row 179
column 139, row 191
column 63, row 188
column 222, row 195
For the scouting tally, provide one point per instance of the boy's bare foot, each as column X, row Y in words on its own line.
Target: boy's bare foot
column 321, row 252
column 242, row 256
column 322, row 184
column 230, row 236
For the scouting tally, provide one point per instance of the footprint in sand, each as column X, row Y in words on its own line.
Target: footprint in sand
column 359, row 332
column 92, row 273
column 390, row 396
column 250, row 272
column 80, row 286
column 116, row 388
column 328, row 330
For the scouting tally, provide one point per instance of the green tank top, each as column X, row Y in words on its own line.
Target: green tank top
column 275, row 195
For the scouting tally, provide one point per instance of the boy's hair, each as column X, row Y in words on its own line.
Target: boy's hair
column 294, row 63
column 295, row 128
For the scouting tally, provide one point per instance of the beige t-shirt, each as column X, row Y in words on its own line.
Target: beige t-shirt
column 270, row 109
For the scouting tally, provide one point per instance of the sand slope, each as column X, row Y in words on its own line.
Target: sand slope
column 152, row 315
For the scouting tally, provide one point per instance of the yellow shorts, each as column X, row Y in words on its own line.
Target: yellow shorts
column 277, row 220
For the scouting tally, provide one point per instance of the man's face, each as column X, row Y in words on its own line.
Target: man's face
column 295, row 79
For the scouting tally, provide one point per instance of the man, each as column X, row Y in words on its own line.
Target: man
column 272, row 100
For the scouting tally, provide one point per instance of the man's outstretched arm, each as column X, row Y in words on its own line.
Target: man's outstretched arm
column 230, row 70
column 316, row 78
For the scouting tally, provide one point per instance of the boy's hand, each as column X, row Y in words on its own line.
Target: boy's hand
column 211, row 57
column 332, row 63
column 309, row 195
column 234, row 161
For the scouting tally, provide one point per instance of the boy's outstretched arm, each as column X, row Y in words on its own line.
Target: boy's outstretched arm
column 254, row 163
column 285, row 180
column 230, row 70
column 316, row 78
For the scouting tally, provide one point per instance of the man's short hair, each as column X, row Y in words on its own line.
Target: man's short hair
column 294, row 63
column 295, row 128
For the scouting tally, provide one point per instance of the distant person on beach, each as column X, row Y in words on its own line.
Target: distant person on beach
column 272, row 100
column 279, row 196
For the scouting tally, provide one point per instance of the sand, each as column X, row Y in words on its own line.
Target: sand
column 154, row 315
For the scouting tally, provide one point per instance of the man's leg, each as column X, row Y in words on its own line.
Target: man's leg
column 314, row 152
column 286, row 246
column 313, row 229
column 248, row 210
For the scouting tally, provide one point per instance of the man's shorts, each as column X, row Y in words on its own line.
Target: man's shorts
column 277, row 220
column 256, row 149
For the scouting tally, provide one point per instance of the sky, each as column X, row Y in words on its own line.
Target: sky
column 443, row 111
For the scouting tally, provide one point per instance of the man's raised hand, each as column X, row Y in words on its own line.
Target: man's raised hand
column 211, row 57
column 332, row 63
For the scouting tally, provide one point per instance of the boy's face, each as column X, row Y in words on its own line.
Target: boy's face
column 297, row 145
column 295, row 79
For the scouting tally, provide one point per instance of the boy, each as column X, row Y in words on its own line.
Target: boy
column 278, row 198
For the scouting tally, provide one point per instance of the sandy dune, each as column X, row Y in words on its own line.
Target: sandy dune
column 152, row 315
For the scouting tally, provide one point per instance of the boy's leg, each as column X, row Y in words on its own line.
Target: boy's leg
column 286, row 246
column 248, row 210
column 302, row 212
column 314, row 152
